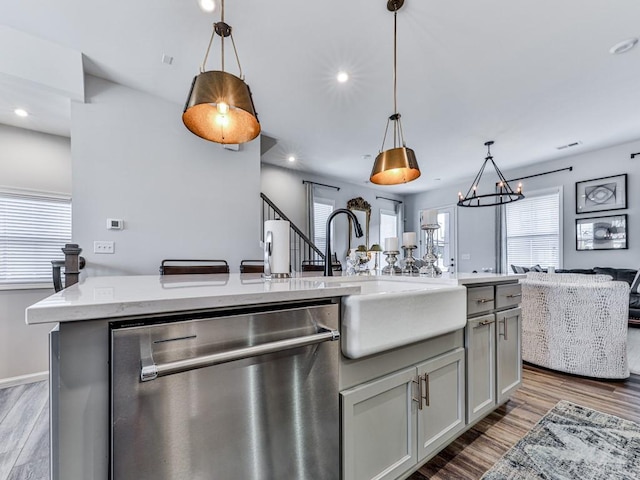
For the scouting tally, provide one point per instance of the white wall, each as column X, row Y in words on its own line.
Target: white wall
column 32, row 161
column 180, row 196
column 284, row 187
column 24, row 348
column 477, row 226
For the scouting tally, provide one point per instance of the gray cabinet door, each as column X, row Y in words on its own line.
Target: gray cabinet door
column 442, row 415
column 480, row 341
column 379, row 428
column 509, row 352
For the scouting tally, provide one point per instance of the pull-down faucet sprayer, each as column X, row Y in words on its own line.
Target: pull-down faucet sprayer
column 328, row 271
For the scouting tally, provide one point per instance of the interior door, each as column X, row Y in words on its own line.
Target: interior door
column 445, row 238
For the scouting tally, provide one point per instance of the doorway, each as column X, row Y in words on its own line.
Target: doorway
column 444, row 238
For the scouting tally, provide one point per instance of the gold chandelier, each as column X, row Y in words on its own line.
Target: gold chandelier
column 219, row 107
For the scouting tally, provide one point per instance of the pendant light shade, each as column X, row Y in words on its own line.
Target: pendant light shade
column 503, row 192
column 219, row 107
column 205, row 117
column 398, row 164
column 395, row 166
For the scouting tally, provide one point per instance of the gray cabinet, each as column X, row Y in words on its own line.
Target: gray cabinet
column 441, row 415
column 379, row 427
column 493, row 343
column 391, row 424
column 480, row 338
column 509, row 352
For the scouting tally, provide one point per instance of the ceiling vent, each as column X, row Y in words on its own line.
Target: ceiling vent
column 568, row 145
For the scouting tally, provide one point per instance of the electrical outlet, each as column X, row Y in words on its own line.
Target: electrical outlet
column 103, row 247
column 466, row 256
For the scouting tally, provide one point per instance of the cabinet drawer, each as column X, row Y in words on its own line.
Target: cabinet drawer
column 480, row 300
column 508, row 295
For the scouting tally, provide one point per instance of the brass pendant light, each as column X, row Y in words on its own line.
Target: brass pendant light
column 219, row 107
column 398, row 164
column 504, row 193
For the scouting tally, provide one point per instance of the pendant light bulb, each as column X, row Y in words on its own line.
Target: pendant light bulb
column 223, row 108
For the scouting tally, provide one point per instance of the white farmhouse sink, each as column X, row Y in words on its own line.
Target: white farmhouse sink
column 391, row 313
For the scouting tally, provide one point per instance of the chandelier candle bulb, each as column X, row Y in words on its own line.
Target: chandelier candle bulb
column 409, row 239
column 391, row 244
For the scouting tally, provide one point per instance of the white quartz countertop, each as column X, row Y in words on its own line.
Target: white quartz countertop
column 122, row 296
column 475, row 278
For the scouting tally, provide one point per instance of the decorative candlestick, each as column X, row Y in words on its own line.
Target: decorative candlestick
column 391, row 268
column 430, row 269
column 375, row 250
column 409, row 261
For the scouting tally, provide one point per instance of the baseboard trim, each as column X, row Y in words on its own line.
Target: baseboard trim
column 22, row 379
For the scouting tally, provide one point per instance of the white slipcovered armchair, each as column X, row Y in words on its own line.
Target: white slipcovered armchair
column 576, row 324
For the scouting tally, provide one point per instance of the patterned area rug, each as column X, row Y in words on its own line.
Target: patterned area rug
column 573, row 442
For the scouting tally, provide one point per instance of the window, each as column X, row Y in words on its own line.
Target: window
column 33, row 229
column 322, row 208
column 388, row 225
column 532, row 228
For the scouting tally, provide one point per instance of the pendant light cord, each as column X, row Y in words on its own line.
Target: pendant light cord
column 395, row 60
column 206, row 55
column 213, row 34
column 222, row 36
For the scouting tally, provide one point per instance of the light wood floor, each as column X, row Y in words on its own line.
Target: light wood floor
column 24, row 440
column 24, row 432
column 472, row 454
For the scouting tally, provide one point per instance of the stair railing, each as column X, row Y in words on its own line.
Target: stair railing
column 302, row 248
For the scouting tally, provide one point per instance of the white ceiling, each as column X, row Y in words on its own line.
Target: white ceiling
column 530, row 75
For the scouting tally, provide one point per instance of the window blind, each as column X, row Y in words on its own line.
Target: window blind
column 321, row 211
column 533, row 231
column 33, row 229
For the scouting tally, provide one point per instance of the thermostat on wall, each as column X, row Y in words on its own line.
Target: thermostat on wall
column 115, row 224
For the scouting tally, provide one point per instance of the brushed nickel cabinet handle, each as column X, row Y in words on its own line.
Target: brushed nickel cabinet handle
column 484, row 300
column 425, row 378
column 484, row 323
column 505, row 334
column 514, row 295
column 419, row 399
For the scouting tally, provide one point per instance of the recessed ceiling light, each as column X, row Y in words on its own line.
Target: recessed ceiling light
column 342, row 77
column 291, row 158
column 624, row 46
column 207, row 5
column 21, row 112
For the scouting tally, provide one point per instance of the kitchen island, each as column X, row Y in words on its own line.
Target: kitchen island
column 81, row 345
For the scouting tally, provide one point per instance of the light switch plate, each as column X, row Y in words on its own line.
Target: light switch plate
column 103, row 247
column 466, row 256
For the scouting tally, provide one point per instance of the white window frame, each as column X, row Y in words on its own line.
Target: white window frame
column 35, row 194
column 391, row 213
column 537, row 193
column 323, row 201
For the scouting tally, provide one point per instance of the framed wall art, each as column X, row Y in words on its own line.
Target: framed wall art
column 601, row 194
column 601, row 233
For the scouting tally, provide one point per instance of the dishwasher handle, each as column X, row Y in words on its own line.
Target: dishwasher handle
column 150, row 370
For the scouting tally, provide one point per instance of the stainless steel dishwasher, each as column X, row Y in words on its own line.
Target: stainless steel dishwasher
column 244, row 394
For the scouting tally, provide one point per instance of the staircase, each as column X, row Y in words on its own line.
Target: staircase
column 302, row 248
